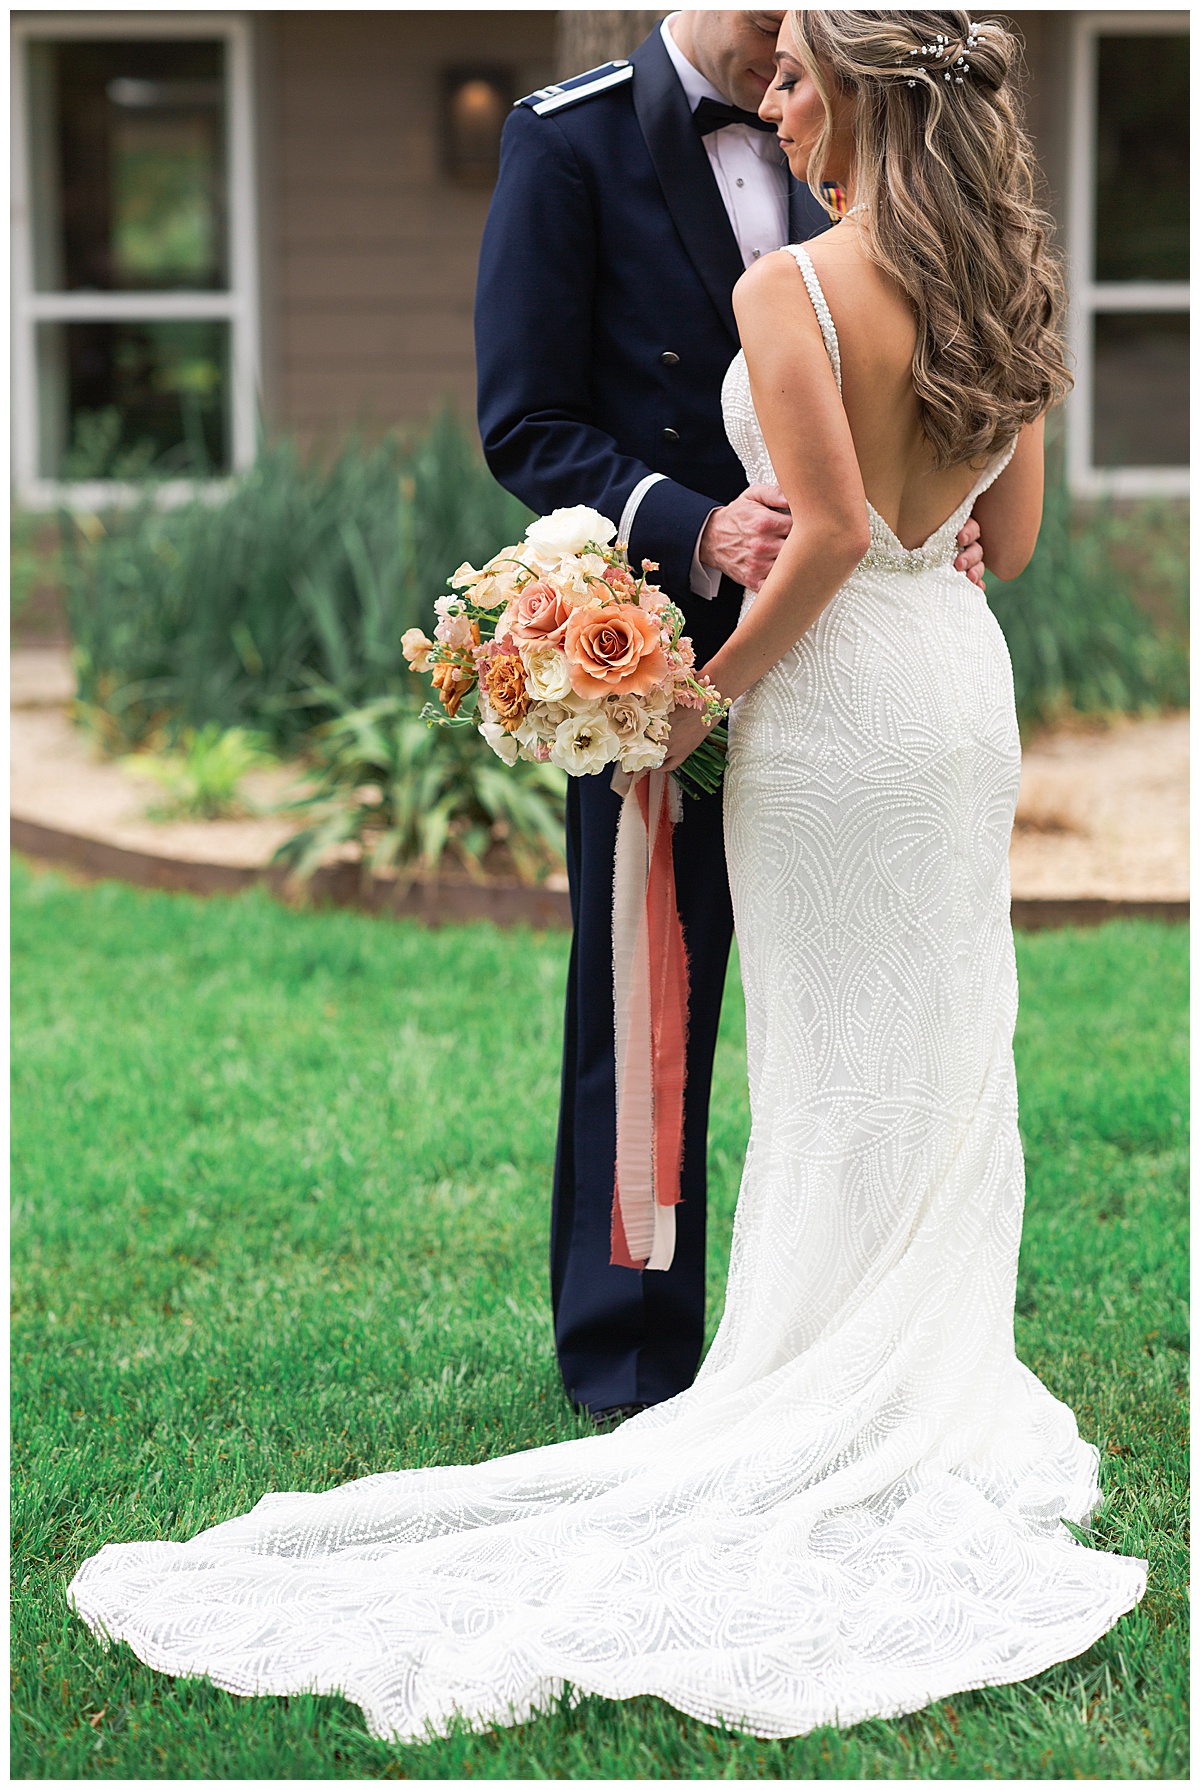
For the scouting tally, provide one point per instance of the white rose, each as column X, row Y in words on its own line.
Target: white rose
column 549, row 716
column 547, row 677
column 502, row 744
column 569, row 531
column 643, row 754
column 584, row 743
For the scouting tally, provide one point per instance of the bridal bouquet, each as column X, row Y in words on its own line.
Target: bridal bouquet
column 560, row 653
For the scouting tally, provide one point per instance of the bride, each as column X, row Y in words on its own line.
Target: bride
column 858, row 1507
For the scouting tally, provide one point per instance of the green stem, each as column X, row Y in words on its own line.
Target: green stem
column 703, row 770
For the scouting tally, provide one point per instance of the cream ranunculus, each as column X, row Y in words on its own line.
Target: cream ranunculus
column 569, row 531
column 547, row 676
column 583, row 744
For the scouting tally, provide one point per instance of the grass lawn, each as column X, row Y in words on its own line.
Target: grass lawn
column 281, row 1194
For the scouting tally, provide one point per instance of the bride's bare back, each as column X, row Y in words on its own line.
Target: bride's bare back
column 877, row 333
column 836, row 452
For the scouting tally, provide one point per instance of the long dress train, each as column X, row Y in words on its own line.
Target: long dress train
column 858, row 1506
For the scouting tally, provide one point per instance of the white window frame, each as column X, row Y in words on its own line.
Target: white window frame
column 238, row 304
column 1088, row 295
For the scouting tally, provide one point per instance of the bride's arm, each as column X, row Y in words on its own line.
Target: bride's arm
column 807, row 436
column 1009, row 513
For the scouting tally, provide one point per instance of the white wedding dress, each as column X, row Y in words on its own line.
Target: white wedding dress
column 857, row 1507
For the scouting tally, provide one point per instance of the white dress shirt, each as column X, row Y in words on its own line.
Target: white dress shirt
column 751, row 176
column 749, row 165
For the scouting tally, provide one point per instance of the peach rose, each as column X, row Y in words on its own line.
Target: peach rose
column 538, row 616
column 613, row 649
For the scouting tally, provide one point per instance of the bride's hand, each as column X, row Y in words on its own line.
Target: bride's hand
column 688, row 728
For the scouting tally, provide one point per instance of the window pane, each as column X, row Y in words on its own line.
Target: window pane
column 1142, row 158
column 128, row 166
column 1140, row 391
column 122, row 400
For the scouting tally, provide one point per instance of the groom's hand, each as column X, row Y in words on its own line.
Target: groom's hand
column 743, row 538
column 970, row 558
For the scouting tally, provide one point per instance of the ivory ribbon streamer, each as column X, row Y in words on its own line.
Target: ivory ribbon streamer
column 650, row 998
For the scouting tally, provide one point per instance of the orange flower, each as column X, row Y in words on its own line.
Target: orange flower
column 451, row 684
column 504, row 680
column 614, row 649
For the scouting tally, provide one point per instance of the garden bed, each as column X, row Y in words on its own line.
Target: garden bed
column 1102, row 825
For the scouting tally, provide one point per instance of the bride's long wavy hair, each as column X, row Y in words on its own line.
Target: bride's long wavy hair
column 946, row 173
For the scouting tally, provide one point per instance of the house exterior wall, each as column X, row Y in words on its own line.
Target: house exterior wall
column 369, row 248
column 353, row 248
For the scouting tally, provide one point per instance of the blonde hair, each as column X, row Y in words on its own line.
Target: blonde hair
column 945, row 172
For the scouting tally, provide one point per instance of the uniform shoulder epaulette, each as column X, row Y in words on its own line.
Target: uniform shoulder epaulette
column 565, row 93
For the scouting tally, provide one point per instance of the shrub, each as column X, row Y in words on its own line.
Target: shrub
column 301, row 578
column 1078, row 639
column 202, row 780
column 408, row 794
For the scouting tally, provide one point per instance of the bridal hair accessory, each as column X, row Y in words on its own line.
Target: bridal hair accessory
column 560, row 654
column 943, row 49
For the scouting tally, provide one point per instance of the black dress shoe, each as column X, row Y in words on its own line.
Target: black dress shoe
column 612, row 1415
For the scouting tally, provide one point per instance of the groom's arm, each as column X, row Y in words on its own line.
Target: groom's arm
column 533, row 335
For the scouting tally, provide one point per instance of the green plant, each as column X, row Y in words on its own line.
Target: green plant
column 247, row 608
column 407, row 795
column 97, row 449
column 33, row 559
column 1078, row 638
column 202, row 778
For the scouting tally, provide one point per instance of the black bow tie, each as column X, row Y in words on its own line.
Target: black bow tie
column 714, row 114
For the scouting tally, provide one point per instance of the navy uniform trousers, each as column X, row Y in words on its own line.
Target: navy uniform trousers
column 626, row 1337
column 604, row 326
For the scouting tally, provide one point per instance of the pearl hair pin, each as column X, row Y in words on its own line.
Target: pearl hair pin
column 941, row 49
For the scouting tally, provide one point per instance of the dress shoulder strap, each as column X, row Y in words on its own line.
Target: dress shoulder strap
column 828, row 333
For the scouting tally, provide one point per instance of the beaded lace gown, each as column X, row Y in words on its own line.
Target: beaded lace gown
column 857, row 1507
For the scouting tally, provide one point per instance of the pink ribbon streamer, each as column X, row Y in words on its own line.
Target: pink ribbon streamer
column 650, row 1001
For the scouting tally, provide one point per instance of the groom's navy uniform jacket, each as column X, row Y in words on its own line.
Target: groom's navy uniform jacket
column 604, row 327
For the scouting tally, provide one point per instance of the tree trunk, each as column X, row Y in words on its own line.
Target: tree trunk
column 584, row 40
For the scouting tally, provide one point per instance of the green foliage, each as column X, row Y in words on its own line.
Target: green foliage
column 1079, row 640
column 98, row 449
column 246, row 608
column 202, row 779
column 33, row 560
column 281, row 1202
column 408, row 793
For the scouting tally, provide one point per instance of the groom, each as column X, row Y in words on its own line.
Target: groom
column 630, row 200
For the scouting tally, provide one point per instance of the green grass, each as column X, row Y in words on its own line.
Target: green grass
column 281, row 1188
